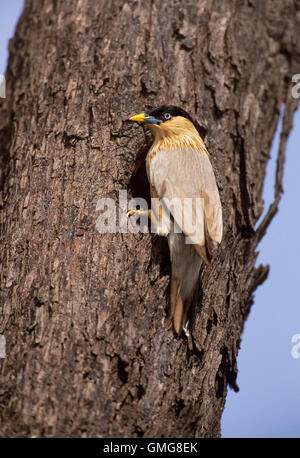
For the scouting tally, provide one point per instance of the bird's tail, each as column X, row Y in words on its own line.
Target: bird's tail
column 186, row 264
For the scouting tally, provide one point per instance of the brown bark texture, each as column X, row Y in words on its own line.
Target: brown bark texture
column 84, row 313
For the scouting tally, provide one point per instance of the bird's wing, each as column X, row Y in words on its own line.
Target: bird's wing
column 186, row 176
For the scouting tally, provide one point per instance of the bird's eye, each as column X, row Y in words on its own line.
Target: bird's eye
column 167, row 116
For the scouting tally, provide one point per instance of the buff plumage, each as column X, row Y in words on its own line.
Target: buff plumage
column 179, row 171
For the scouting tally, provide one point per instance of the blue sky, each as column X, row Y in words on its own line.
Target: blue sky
column 268, row 403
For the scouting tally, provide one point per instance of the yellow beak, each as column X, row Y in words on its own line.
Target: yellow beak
column 139, row 117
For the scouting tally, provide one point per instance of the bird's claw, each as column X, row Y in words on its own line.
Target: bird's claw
column 130, row 213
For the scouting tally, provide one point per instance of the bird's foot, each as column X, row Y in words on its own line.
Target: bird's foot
column 137, row 212
column 157, row 228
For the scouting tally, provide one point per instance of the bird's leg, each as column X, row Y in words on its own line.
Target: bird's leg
column 138, row 212
column 159, row 229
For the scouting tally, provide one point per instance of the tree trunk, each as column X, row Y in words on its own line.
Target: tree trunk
column 83, row 313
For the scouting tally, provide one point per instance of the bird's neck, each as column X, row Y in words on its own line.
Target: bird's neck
column 178, row 142
column 178, row 133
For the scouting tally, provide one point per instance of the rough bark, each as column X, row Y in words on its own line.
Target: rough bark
column 83, row 313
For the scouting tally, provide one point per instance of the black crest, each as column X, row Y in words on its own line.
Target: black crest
column 159, row 113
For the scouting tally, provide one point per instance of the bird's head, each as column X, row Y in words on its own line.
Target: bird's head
column 168, row 120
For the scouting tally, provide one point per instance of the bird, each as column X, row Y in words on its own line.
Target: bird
column 185, row 202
